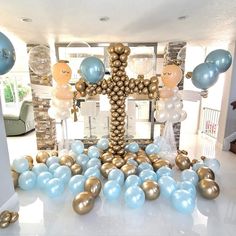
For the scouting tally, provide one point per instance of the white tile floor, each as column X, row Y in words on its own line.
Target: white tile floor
column 40, row 215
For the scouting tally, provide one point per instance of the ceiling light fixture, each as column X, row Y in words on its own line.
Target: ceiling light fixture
column 104, row 18
column 182, row 17
column 25, row 19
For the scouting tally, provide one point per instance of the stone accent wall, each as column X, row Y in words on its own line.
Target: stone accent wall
column 45, row 127
column 171, row 51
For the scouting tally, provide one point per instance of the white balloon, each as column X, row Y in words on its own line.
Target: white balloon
column 175, row 90
column 160, row 105
column 174, row 116
column 169, row 105
column 52, row 113
column 175, row 98
column 161, row 116
column 183, row 115
column 178, row 105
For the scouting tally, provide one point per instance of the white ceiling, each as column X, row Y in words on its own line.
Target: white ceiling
column 130, row 20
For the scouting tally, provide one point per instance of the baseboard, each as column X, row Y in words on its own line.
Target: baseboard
column 12, row 204
column 228, row 140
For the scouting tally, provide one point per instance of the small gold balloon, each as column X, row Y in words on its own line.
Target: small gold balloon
column 14, row 217
column 159, row 163
column 130, row 155
column 54, row 153
column 15, row 177
column 151, row 189
column 127, row 50
column 153, row 157
column 154, row 79
column 208, row 188
column 93, row 185
column 118, row 162
column 152, row 87
column 83, row 203
column 29, row 158
column 205, row 173
column 182, row 162
column 66, row 160
column 106, row 168
column 119, row 48
column 76, row 169
column 80, row 86
column 123, row 57
column 117, row 63
column 114, row 56
column 146, row 82
column 129, row 169
column 110, row 49
column 5, row 216
column 42, row 157
column 107, row 157
column 4, row 224
column 151, row 96
column 142, row 159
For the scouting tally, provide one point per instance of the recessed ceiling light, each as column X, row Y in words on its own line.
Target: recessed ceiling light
column 182, row 17
column 104, row 18
column 25, row 19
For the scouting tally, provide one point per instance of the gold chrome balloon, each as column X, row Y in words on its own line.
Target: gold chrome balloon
column 66, row 160
column 4, row 224
column 152, row 87
column 159, row 163
column 118, row 162
column 130, row 155
column 93, row 185
column 119, row 48
column 5, row 216
column 153, row 157
column 42, row 157
column 107, row 157
column 129, row 169
column 205, row 173
column 15, row 177
column 208, row 188
column 182, row 162
column 80, row 86
column 14, row 217
column 106, row 168
column 54, row 153
column 29, row 159
column 151, row 189
column 76, row 169
column 83, row 203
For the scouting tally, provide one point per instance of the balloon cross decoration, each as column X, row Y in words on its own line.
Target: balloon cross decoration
column 118, row 88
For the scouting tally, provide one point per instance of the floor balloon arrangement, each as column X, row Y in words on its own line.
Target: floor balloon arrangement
column 141, row 175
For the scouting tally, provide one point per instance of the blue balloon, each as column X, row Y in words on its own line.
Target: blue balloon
column 27, row 180
column 77, row 147
column 53, row 167
column 76, row 184
column 92, row 171
column 197, row 165
column 54, row 187
column 103, row 144
column 43, row 178
column 38, row 168
column 94, row 162
column 134, row 197
column 188, row 186
column 7, row 54
column 168, row 185
column 82, row 160
column 132, row 162
column 111, row 190
column 164, row 171
column 20, row 165
column 182, row 201
column 205, row 75
column 52, row 160
column 213, row 164
column 132, row 180
column 92, row 69
column 148, row 175
column 63, row 173
column 133, row 147
column 189, row 175
column 117, row 175
column 151, row 149
column 93, row 152
column 221, row 58
column 144, row 166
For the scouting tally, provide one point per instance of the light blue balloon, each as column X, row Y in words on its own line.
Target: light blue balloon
column 53, row 167
column 213, row 164
column 38, row 168
column 148, row 175
column 221, row 58
column 151, row 149
column 134, row 197
column 182, row 201
column 43, row 178
column 92, row 69
column 132, row 180
column 103, row 144
column 197, row 165
column 205, row 75
column 63, row 173
column 93, row 152
column 111, row 190
column 168, row 185
column 76, row 184
column 54, row 187
column 117, row 175
column 94, row 162
column 52, row 160
column 82, row 160
column 189, row 175
column 77, row 147
column 164, row 171
column 188, row 186
column 27, row 180
column 133, row 147
column 20, row 165
column 132, row 162
column 144, row 166
column 92, row 171
column 127, row 147
column 7, row 54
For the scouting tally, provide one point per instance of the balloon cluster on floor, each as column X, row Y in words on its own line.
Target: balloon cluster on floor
column 142, row 174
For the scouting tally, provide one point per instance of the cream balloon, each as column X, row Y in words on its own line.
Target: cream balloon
column 183, row 115
column 174, row 116
column 161, row 116
column 178, row 105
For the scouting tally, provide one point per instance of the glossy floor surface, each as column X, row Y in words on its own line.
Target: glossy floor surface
column 40, row 215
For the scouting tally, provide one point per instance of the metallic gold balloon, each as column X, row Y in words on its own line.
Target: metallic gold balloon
column 129, row 169
column 106, row 168
column 141, row 159
column 119, row 48
column 127, row 50
column 15, row 177
column 151, row 96
column 66, row 160
column 159, row 163
column 4, row 224
column 182, row 162
column 205, row 173
column 152, row 87
column 29, row 158
column 76, row 169
column 80, row 86
column 93, row 185
column 153, row 157
column 130, row 155
column 14, row 217
column 116, row 63
column 5, row 216
column 54, row 153
column 83, row 203
column 154, row 79
column 146, row 82
column 107, row 157
column 123, row 57
column 114, row 56
column 151, row 189
column 42, row 157
column 111, row 48
column 208, row 188
column 118, row 162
